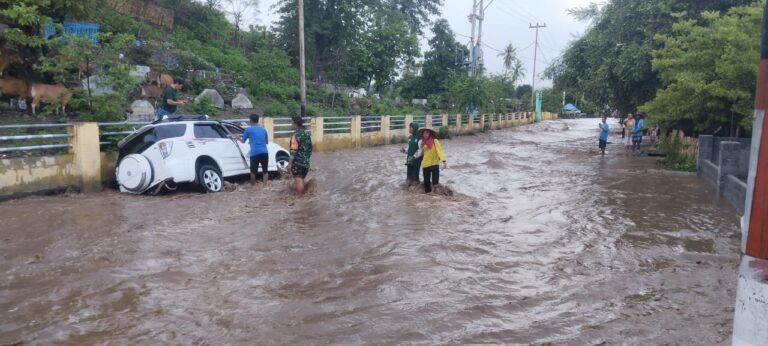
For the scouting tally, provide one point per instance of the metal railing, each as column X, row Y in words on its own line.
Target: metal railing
column 437, row 121
column 110, row 133
column 337, row 125
column 45, row 139
column 370, row 124
column 23, row 140
column 397, row 123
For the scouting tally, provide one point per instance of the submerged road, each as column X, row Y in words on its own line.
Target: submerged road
column 544, row 241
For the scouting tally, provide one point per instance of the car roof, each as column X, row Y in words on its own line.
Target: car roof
column 203, row 119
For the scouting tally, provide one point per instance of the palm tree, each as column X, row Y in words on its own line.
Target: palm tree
column 510, row 56
column 518, row 71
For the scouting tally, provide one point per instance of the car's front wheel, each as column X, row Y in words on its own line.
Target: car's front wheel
column 209, row 178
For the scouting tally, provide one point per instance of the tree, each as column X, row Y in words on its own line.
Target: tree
column 518, row 72
column 73, row 52
column 416, row 12
column 335, row 29
column 611, row 62
column 509, row 56
column 212, row 4
column 707, row 70
column 387, row 45
column 444, row 59
column 239, row 10
column 477, row 91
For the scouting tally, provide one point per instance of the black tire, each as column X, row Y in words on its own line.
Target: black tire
column 209, row 178
column 281, row 161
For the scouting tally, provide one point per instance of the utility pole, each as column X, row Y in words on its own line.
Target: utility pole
column 479, row 44
column 302, row 75
column 473, row 20
column 751, row 310
column 535, row 55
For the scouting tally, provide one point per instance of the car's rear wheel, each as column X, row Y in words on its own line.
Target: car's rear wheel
column 282, row 161
column 209, row 178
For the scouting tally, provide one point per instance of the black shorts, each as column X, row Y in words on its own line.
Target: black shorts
column 261, row 159
column 299, row 171
column 602, row 144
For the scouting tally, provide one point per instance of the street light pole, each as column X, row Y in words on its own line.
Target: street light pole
column 302, row 66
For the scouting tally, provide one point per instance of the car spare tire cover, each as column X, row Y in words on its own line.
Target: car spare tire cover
column 134, row 173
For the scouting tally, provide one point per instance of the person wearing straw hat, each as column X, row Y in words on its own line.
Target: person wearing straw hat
column 431, row 158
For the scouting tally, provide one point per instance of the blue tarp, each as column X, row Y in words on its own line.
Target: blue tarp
column 89, row 30
column 569, row 107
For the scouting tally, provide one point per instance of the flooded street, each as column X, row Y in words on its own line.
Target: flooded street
column 544, row 241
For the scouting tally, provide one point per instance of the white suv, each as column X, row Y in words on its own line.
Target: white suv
column 182, row 150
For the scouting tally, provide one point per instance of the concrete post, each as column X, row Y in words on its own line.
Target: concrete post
column 385, row 131
column 355, row 129
column 84, row 139
column 408, row 121
column 458, row 123
column 444, row 121
column 428, row 121
column 269, row 125
column 705, row 150
column 318, row 131
column 728, row 162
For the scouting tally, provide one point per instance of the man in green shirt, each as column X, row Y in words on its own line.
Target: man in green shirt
column 301, row 151
column 169, row 101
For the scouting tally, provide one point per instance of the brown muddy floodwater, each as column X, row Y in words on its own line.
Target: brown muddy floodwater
column 544, row 242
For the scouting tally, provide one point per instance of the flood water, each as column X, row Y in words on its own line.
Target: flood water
column 543, row 242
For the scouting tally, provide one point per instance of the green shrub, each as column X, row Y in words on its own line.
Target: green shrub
column 444, row 133
column 202, row 106
column 680, row 153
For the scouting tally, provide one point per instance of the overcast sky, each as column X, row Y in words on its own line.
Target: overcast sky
column 505, row 21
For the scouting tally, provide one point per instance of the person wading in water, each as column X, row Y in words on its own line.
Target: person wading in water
column 301, row 151
column 433, row 155
column 413, row 152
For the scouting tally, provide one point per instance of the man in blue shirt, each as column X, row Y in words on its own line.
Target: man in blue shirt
column 258, row 138
column 637, row 132
column 603, row 139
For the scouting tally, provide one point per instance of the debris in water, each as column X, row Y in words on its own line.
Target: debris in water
column 442, row 190
column 230, row 187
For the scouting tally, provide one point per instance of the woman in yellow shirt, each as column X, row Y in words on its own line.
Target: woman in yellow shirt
column 432, row 154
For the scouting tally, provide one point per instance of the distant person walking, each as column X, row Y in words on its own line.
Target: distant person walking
column 433, row 155
column 602, row 139
column 413, row 155
column 638, row 129
column 169, row 101
column 628, row 124
column 301, row 151
column 653, row 135
column 257, row 137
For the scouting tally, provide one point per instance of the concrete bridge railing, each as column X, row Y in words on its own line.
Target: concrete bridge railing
column 85, row 166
